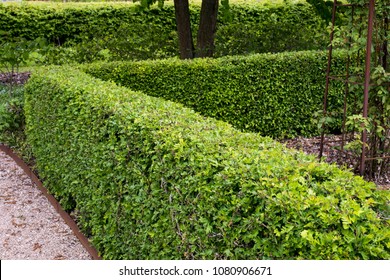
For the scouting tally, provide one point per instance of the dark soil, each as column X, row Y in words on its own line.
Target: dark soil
column 332, row 154
column 14, row 78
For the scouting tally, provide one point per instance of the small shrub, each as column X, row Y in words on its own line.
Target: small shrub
column 12, row 120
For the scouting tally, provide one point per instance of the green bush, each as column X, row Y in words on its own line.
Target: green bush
column 276, row 95
column 11, row 115
column 271, row 28
column 150, row 179
column 124, row 31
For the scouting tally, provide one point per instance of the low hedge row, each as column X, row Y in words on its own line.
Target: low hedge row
column 150, row 179
column 119, row 31
column 276, row 95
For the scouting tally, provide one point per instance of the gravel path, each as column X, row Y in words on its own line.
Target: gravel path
column 30, row 227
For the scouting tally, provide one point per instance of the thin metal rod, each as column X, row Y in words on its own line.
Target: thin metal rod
column 385, row 43
column 347, row 85
column 338, row 78
column 367, row 82
column 328, row 78
column 375, row 158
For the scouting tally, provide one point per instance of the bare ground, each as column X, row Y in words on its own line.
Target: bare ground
column 332, row 154
column 14, row 78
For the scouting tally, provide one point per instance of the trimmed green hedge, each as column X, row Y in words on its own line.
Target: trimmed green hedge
column 118, row 31
column 274, row 94
column 271, row 28
column 86, row 30
column 150, row 179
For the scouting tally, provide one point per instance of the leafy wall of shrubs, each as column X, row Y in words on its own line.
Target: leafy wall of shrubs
column 274, row 94
column 151, row 179
column 11, row 115
column 86, row 30
column 271, row 28
column 123, row 31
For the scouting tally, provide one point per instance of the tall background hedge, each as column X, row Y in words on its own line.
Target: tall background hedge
column 118, row 31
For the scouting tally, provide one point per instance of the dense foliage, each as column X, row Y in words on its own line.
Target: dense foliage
column 276, row 95
column 272, row 28
column 11, row 115
column 150, row 179
column 368, row 124
column 118, row 31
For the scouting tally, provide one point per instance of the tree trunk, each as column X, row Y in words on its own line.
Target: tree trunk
column 207, row 28
column 186, row 44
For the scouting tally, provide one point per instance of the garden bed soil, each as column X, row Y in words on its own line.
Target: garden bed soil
column 332, row 154
column 14, row 78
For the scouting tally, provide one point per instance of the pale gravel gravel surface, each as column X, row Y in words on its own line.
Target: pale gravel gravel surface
column 30, row 227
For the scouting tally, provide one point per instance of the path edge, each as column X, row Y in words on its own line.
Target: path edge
column 64, row 215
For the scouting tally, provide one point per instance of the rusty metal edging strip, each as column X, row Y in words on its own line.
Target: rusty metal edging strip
column 68, row 220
